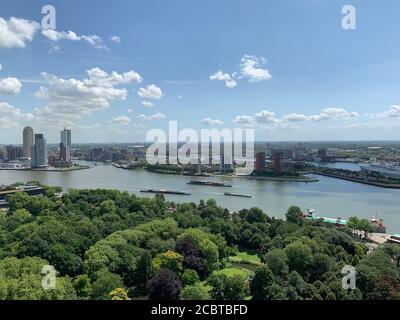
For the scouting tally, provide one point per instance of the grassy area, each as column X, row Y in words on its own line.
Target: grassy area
column 230, row 272
column 247, row 258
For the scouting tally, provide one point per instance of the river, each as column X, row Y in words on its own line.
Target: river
column 331, row 197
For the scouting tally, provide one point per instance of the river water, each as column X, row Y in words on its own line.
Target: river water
column 330, row 197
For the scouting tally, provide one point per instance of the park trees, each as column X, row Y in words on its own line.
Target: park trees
column 165, row 285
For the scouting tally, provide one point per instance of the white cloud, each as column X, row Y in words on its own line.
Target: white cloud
column 333, row 113
column 294, row 117
column 1, row 67
column 70, row 99
column 222, row 76
column 15, row 32
column 116, row 39
column 212, row 122
column 122, row 120
column 13, row 117
column 148, row 104
column 393, row 112
column 252, row 68
column 150, row 92
column 130, row 110
column 55, row 35
column 244, row 120
column 156, row 116
column 10, row 86
column 266, row 116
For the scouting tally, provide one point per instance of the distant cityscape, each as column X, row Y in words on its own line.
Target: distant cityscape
column 379, row 162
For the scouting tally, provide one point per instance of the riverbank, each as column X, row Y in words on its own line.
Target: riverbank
column 300, row 178
column 48, row 169
column 371, row 183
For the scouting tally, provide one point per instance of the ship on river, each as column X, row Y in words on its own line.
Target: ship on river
column 164, row 191
column 230, row 194
column 209, row 183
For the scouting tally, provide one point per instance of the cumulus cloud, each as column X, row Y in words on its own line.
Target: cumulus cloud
column 16, row 32
column 130, row 110
column 393, row 112
column 13, row 117
column 10, row 86
column 150, row 92
column 56, row 36
column 70, row 99
column 333, row 113
column 156, row 116
column 222, row 76
column 252, row 67
column 148, row 104
column 212, row 122
column 115, row 39
column 121, row 120
column 265, row 116
column 244, row 120
column 269, row 118
column 294, row 117
column 1, row 67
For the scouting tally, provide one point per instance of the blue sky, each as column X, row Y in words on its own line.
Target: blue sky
column 287, row 68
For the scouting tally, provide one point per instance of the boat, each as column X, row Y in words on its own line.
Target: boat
column 237, row 195
column 164, row 191
column 209, row 183
column 380, row 227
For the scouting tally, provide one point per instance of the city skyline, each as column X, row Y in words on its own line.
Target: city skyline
column 111, row 82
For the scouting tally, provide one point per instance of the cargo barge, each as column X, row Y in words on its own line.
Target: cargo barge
column 163, row 191
column 209, row 183
column 230, row 194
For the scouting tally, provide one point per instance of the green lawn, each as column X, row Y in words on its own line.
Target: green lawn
column 233, row 272
column 246, row 257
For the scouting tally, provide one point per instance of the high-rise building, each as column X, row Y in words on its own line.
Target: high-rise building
column 27, row 141
column 65, row 136
column 225, row 163
column 11, row 153
column 39, row 151
column 260, row 161
column 278, row 161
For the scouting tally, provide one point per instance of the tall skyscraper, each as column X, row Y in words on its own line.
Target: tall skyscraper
column 260, row 161
column 39, row 151
column 65, row 145
column 27, row 141
column 278, row 161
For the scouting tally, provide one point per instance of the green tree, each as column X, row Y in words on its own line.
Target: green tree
column 196, row 291
column 294, row 215
column 299, row 257
column 83, row 287
column 189, row 277
column 105, row 282
column 227, row 288
column 143, row 270
column 276, row 260
column 262, row 286
column 21, row 279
